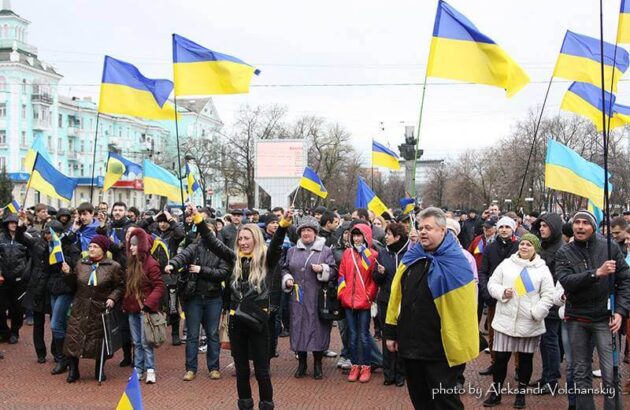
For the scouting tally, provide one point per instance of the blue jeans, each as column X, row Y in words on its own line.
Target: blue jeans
column 358, row 323
column 581, row 336
column 206, row 312
column 550, row 352
column 59, row 306
column 568, row 357
column 143, row 357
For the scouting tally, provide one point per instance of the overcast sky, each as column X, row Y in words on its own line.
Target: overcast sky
column 324, row 43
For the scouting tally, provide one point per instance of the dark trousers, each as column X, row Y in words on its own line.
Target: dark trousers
column 39, row 322
column 432, row 385
column 283, row 313
column 11, row 300
column 550, row 352
column 525, row 367
column 246, row 344
column 393, row 365
column 273, row 333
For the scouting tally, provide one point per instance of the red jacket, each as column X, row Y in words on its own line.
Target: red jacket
column 475, row 252
column 152, row 285
column 357, row 294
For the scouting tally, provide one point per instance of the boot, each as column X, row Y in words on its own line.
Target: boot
column 317, row 365
column 494, row 398
column 96, row 370
column 62, row 361
column 519, row 401
column 245, row 404
column 126, row 361
column 73, row 372
column 266, row 405
column 301, row 370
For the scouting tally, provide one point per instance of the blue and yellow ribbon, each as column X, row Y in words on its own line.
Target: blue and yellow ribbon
column 299, row 294
column 93, row 280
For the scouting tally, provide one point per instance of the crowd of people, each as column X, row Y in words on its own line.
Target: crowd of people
column 536, row 285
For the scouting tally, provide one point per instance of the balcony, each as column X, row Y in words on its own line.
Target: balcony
column 40, row 124
column 73, row 131
column 73, row 156
column 42, row 98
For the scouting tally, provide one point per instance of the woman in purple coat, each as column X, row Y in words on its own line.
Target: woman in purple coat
column 309, row 266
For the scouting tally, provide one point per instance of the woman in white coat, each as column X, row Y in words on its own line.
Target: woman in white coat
column 524, row 288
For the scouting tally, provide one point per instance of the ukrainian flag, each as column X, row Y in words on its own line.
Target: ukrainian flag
column 125, row 91
column 384, row 157
column 459, row 51
column 191, row 183
column 566, row 171
column 623, row 28
column 159, row 243
column 56, row 254
column 366, row 198
column 158, row 181
column 479, row 248
column 597, row 212
column 579, row 60
column 454, row 290
column 622, row 113
column 117, row 167
column 199, row 71
column 38, row 146
column 311, row 182
column 586, row 100
column 49, row 181
column 407, row 205
column 132, row 396
column 523, row 284
column 13, row 208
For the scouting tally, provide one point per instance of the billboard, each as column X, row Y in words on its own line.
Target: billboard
column 280, row 158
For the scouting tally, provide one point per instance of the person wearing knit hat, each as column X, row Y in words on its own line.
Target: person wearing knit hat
column 453, row 226
column 308, row 222
column 102, row 241
column 507, row 221
column 533, row 240
column 587, row 216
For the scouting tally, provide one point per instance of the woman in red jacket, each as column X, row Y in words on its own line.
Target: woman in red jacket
column 356, row 292
column 144, row 290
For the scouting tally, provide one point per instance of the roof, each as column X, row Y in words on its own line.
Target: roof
column 5, row 56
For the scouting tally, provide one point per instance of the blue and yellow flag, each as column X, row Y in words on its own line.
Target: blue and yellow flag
column 38, row 146
column 597, row 212
column 199, row 71
column 622, row 113
column 586, row 100
column 384, row 157
column 158, row 181
column 49, row 181
column 299, row 293
column 365, row 257
column 454, row 290
column 191, row 183
column 117, row 167
column 311, row 182
column 14, row 207
column 479, row 248
column 366, row 198
column 407, row 205
column 125, row 91
column 132, row 396
column 56, row 254
column 523, row 284
column 623, row 27
column 567, row 171
column 459, row 51
column 579, row 60
column 159, row 243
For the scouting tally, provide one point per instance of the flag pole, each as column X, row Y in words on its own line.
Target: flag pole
column 611, row 278
column 295, row 196
column 179, row 161
column 415, row 156
column 98, row 116
column 28, row 185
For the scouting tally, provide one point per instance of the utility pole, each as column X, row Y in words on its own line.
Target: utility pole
column 408, row 152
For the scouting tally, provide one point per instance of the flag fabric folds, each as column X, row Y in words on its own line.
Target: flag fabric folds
column 49, row 181
column 366, row 198
column 159, row 243
column 14, row 207
column 200, row 71
column 621, row 113
column 38, row 146
column 452, row 285
column 365, row 257
column 191, row 183
column 523, row 284
column 158, row 181
column 117, row 167
column 586, row 100
column 566, row 171
column 407, row 205
column 384, row 157
column 623, row 27
column 579, row 60
column 597, row 212
column 341, row 283
column 459, row 51
column 125, row 91
column 311, row 182
column 132, row 396
column 479, row 248
column 56, row 254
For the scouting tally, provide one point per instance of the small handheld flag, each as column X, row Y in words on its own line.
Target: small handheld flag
column 366, row 198
column 479, row 248
column 56, row 254
column 191, row 182
column 365, row 257
column 407, row 205
column 384, row 157
column 14, row 207
column 523, row 284
column 311, row 182
column 159, row 243
column 132, row 396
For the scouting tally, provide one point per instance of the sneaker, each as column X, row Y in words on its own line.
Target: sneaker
column 189, row 376
column 340, row 362
column 347, row 364
column 330, row 353
column 597, row 373
column 366, row 373
column 203, row 349
column 151, row 376
column 215, row 374
column 354, row 373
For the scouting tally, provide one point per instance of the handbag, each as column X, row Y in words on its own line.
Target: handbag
column 251, row 315
column 328, row 306
column 155, row 328
column 112, row 336
column 224, row 335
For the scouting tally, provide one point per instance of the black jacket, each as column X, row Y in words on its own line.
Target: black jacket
column 493, row 255
column 58, row 283
column 389, row 258
column 214, row 270
column 467, row 233
column 14, row 255
column 549, row 248
column 587, row 295
column 36, row 297
column 172, row 237
column 116, row 232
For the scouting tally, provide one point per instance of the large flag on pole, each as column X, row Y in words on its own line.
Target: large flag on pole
column 38, row 146
column 585, row 99
column 200, row 71
column 117, row 167
column 311, row 182
column 567, row 171
column 125, row 91
column 49, row 181
column 459, row 51
column 158, row 181
column 366, row 198
column 384, row 157
column 623, row 27
column 580, row 57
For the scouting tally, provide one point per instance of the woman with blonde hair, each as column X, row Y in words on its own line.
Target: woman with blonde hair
column 249, row 287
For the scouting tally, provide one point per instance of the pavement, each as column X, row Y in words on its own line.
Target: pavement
column 25, row 384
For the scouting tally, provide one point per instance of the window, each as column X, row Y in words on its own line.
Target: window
column 3, row 83
column 23, row 164
column 60, row 121
column 23, row 140
column 24, row 111
column 3, row 162
column 50, row 143
column 3, row 110
column 3, row 137
column 59, row 144
column 24, row 85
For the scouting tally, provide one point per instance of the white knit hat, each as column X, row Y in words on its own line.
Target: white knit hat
column 507, row 221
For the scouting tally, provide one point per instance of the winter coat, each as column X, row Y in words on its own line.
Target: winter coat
column 521, row 316
column 389, row 258
column 467, row 233
column 476, row 249
column 275, row 290
column 14, row 255
column 172, row 237
column 36, row 297
column 152, row 285
column 358, row 292
column 308, row 332
column 58, row 283
column 84, row 235
column 493, row 255
column 85, row 327
column 549, row 248
column 587, row 294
